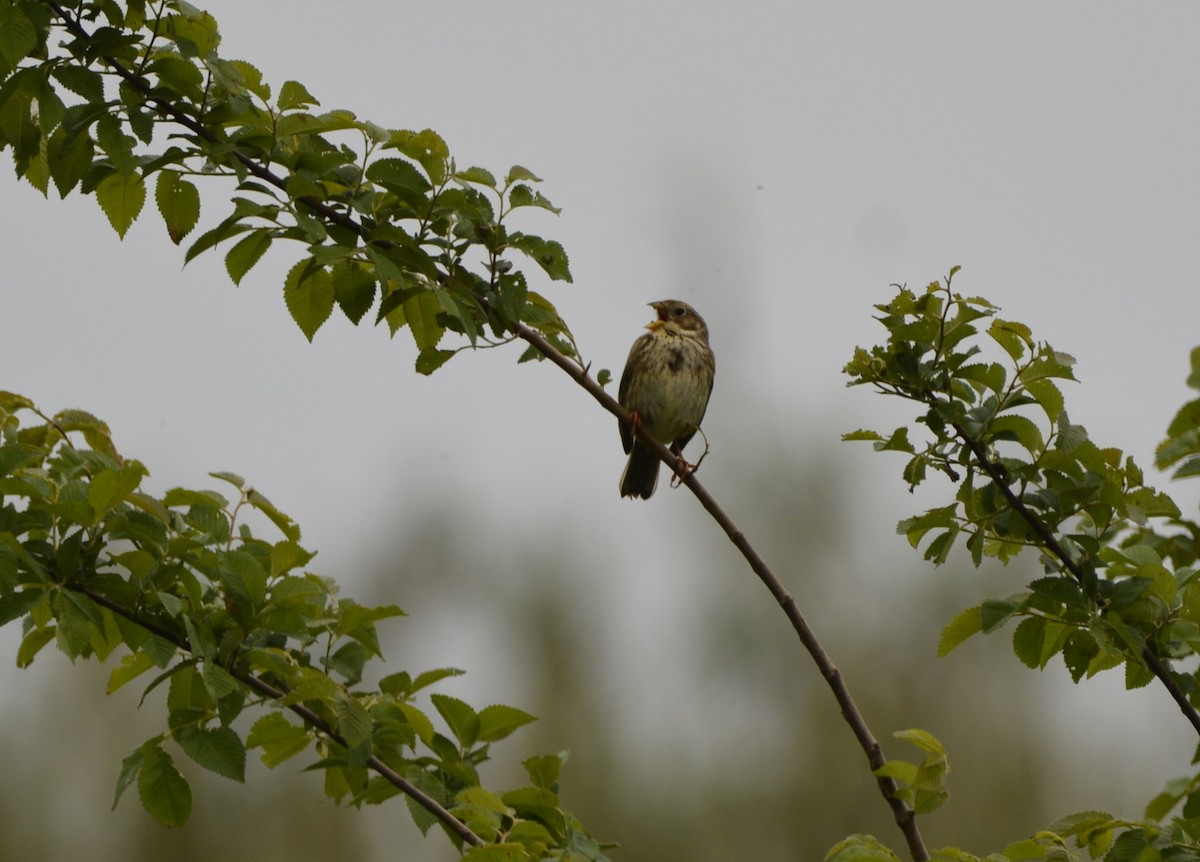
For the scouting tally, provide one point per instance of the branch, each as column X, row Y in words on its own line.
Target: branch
column 311, row 718
column 1050, row 542
column 905, row 818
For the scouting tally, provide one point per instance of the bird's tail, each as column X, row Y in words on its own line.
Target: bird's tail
column 641, row 473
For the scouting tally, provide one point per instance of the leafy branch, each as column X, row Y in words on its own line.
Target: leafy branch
column 1120, row 561
column 229, row 621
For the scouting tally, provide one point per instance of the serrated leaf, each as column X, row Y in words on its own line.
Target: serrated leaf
column 498, row 721
column 548, row 254
column 1014, row 337
column 964, row 624
column 420, row 312
column 122, row 197
column 354, row 722
column 1048, row 396
column 278, row 738
column 462, row 720
column 18, row 36
column 247, row 252
column 354, row 290
column 293, row 94
column 431, row 359
column 1028, row 640
column 518, row 174
column 165, row 793
column 308, row 293
column 118, row 146
column 178, row 202
column 130, row 767
column 994, row 613
column 132, row 666
column 480, row 176
column 218, row 749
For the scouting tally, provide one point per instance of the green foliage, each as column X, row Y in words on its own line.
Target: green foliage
column 181, row 588
column 922, row 786
column 1116, row 590
column 380, row 216
column 1119, row 560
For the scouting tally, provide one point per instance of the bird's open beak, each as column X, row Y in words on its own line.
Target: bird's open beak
column 661, row 308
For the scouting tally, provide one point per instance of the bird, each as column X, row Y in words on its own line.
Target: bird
column 665, row 388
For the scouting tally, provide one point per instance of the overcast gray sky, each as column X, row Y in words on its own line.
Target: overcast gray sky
column 775, row 164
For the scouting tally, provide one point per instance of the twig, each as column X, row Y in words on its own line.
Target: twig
column 905, row 818
column 311, row 718
column 1050, row 542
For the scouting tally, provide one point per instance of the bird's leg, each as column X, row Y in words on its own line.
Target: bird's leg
column 677, row 478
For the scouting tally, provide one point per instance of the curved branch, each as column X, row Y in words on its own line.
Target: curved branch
column 311, row 718
column 904, row 816
column 1050, row 543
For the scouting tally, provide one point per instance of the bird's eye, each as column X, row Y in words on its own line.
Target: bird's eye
column 680, row 311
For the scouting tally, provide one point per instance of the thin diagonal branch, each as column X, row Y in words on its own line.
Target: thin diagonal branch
column 311, row 718
column 1050, row 542
column 904, row 816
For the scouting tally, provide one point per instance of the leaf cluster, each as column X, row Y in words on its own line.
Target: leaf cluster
column 233, row 625
column 99, row 97
column 1119, row 586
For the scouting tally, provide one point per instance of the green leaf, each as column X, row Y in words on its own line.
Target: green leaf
column 118, row 146
column 517, row 174
column 399, row 177
column 431, row 359
column 994, row 613
column 18, row 36
column 178, row 202
column 420, row 311
column 860, row 848
column 110, row 487
column 354, row 722
column 1014, row 337
column 121, row 196
column 308, row 293
column 354, row 289
column 165, row 793
column 217, row 681
column 964, row 624
column 480, row 176
column 1048, row 395
column 293, row 94
column 218, row 749
column 132, row 666
column 497, row 853
column 278, row 738
column 498, row 721
column 247, row 252
column 16, row 605
column 1029, row 638
column 548, row 254
column 523, row 196
column 130, row 767
column 462, row 720
column 544, row 770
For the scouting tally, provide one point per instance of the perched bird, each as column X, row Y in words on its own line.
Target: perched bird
column 665, row 387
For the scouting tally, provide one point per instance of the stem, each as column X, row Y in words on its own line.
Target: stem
column 904, row 816
column 1050, row 543
column 309, row 717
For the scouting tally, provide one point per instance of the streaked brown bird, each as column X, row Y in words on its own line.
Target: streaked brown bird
column 665, row 387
